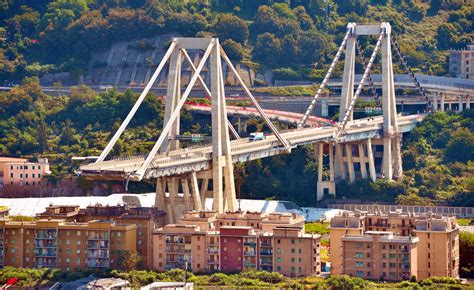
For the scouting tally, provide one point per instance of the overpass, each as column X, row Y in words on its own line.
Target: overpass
column 369, row 148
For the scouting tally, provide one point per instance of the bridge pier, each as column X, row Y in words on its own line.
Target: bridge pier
column 324, row 185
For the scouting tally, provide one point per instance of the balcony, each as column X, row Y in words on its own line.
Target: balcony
column 251, row 254
column 98, row 264
column 250, row 244
column 213, row 261
column 266, row 245
column 97, row 244
column 46, row 265
column 213, row 251
column 266, row 253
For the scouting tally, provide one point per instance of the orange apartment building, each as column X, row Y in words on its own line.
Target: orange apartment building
column 18, row 171
column 232, row 242
column 145, row 219
column 379, row 255
column 55, row 243
column 421, row 234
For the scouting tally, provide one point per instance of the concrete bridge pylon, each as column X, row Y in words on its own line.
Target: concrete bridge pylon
column 346, row 155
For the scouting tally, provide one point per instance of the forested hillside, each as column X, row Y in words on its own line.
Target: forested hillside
column 294, row 38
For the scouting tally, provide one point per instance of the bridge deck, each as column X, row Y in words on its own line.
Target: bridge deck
column 199, row 158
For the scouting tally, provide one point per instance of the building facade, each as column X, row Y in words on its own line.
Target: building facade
column 18, row 171
column 461, row 63
column 412, row 240
column 146, row 219
column 208, row 242
column 54, row 243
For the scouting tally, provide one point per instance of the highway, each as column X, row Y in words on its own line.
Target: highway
column 199, row 158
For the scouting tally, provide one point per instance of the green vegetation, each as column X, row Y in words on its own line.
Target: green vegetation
column 249, row 279
column 464, row 222
column 292, row 91
column 466, row 254
column 296, row 39
column 317, row 228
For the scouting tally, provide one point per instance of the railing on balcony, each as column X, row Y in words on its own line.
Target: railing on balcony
column 250, row 244
column 266, row 253
column 93, row 263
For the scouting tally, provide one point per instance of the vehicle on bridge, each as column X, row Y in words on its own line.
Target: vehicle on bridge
column 256, row 136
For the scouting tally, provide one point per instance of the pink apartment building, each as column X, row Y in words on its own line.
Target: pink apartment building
column 18, row 171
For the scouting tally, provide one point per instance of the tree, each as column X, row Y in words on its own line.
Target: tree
column 233, row 49
column 466, row 254
column 461, row 146
column 232, row 27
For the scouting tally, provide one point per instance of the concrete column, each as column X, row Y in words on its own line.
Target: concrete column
column 173, row 193
column 204, row 186
column 443, row 99
column 460, row 104
column 195, row 192
column 217, row 157
column 370, row 156
column 331, row 162
column 363, row 169
column 435, row 102
column 350, row 164
column 185, row 185
column 387, row 158
column 340, row 169
column 324, row 108
column 160, row 194
column 347, row 91
column 319, row 151
column 450, row 106
column 468, row 102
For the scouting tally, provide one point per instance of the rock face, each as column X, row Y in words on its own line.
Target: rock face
column 133, row 63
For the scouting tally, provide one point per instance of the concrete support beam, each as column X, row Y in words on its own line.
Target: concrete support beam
column 443, row 99
column 350, row 164
column 186, row 193
column 204, row 187
column 363, row 168
column 195, row 192
column 370, row 156
column 160, row 194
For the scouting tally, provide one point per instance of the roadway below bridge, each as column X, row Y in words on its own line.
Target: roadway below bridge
column 199, row 158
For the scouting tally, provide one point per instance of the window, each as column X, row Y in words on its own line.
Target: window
column 21, row 175
column 26, row 175
column 359, row 255
column 119, row 234
column 140, row 233
column 68, row 233
column 392, row 256
column 33, row 175
column 140, row 242
column 68, row 251
column 13, row 251
column 392, row 265
column 292, row 251
column 368, row 274
column 299, row 250
column 359, row 264
column 278, row 268
column 11, row 167
column 299, row 260
column 39, row 166
column 11, row 175
column 278, row 260
column 358, row 245
column 278, row 241
column 292, row 242
column 26, row 166
column 78, row 261
column 33, row 167
column 67, row 242
column 293, row 269
column 384, row 265
column 78, row 232
column 39, row 175
column 292, row 260
column 359, row 273
column 67, row 260
column 78, row 242
column 278, row 250
column 78, row 251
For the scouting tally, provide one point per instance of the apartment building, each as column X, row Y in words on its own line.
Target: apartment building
column 379, row 255
column 208, row 242
column 56, row 243
column 146, row 219
column 461, row 63
column 422, row 234
column 18, row 171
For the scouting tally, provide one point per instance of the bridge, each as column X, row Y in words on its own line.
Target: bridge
column 366, row 148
